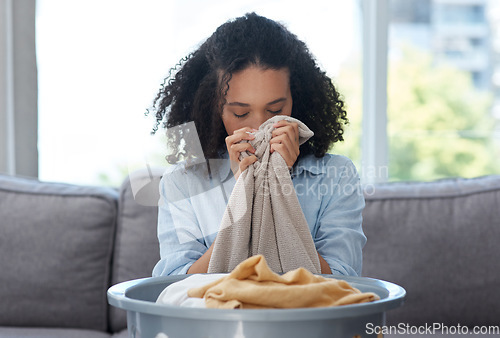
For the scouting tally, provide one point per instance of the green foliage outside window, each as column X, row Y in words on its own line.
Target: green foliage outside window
column 439, row 125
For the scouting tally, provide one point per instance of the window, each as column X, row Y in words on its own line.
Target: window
column 456, row 12
column 99, row 71
column 441, row 99
column 101, row 64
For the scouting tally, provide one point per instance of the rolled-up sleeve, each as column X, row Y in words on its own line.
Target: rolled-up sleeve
column 179, row 235
column 339, row 236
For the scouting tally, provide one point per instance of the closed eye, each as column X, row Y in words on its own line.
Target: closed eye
column 275, row 111
column 240, row 116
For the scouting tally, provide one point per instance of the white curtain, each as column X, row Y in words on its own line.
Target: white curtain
column 18, row 88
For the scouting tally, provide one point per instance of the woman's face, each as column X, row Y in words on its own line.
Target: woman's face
column 254, row 96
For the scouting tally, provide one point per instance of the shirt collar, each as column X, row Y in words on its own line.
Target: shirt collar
column 220, row 167
column 311, row 164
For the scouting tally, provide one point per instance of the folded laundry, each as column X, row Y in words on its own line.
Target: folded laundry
column 252, row 285
column 177, row 293
column 263, row 214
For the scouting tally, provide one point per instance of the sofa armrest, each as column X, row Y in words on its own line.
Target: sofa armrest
column 55, row 252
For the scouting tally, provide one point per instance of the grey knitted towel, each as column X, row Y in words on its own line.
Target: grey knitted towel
column 263, row 214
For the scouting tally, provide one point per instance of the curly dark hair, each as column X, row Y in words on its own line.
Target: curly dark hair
column 195, row 90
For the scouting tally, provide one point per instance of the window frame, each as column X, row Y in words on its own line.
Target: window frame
column 374, row 154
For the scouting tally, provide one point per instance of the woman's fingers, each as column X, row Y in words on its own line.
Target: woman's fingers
column 285, row 153
column 241, row 134
column 292, row 147
column 291, row 129
column 244, row 164
column 285, row 141
column 234, row 147
column 244, row 146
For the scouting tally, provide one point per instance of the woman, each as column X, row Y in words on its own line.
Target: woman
column 248, row 71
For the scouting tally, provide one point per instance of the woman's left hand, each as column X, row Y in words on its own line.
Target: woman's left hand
column 285, row 141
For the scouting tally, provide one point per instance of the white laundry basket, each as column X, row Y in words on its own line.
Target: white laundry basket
column 146, row 319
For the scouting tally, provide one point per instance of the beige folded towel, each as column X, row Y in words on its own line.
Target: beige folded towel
column 252, row 285
column 263, row 215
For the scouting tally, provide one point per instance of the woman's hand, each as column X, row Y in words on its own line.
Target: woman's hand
column 285, row 141
column 234, row 149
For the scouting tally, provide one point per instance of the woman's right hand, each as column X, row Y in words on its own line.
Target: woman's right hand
column 234, row 148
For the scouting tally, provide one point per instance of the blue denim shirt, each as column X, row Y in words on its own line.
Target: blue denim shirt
column 193, row 201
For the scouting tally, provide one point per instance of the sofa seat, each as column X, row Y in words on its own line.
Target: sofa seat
column 40, row 332
column 62, row 246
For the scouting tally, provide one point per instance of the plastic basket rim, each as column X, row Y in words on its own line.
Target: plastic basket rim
column 117, row 296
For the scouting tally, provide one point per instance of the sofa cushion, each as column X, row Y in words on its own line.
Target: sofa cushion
column 37, row 332
column 438, row 240
column 55, row 251
column 136, row 249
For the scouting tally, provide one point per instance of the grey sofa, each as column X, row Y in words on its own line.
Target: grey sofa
column 62, row 246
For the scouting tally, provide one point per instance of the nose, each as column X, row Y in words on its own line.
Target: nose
column 259, row 118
